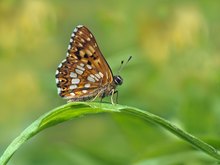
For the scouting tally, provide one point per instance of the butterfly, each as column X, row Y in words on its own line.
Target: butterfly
column 85, row 74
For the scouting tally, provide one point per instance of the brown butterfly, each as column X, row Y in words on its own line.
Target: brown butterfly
column 85, row 74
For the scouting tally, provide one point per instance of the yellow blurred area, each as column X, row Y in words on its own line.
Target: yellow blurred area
column 181, row 32
column 174, row 73
column 25, row 23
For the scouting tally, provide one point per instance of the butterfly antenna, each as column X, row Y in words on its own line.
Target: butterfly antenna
column 122, row 66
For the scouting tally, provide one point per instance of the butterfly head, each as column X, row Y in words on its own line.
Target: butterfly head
column 118, row 80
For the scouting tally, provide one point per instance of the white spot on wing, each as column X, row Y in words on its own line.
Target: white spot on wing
column 71, row 40
column 73, row 75
column 79, row 71
column 100, row 73
column 57, row 72
column 87, row 85
column 57, row 80
column 72, row 94
column 75, row 81
column 63, row 61
column 79, row 26
column 67, row 54
column 79, row 67
column 89, row 78
column 59, row 65
column 94, row 77
column 84, row 91
column 69, row 46
column 81, row 64
column 89, row 66
column 58, row 90
column 73, row 86
column 75, row 30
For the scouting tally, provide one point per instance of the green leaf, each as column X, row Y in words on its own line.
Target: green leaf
column 78, row 109
column 178, row 158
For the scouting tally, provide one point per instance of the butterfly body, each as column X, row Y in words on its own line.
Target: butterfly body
column 85, row 74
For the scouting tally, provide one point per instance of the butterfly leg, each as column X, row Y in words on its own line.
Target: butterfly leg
column 101, row 99
column 112, row 97
column 98, row 94
column 116, row 92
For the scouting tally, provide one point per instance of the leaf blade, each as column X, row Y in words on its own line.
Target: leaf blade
column 77, row 109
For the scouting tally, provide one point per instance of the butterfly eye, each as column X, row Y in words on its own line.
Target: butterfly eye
column 118, row 80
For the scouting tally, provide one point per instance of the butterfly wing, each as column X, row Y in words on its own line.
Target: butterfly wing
column 85, row 69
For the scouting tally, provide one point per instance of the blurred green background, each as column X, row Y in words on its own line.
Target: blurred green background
column 174, row 73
